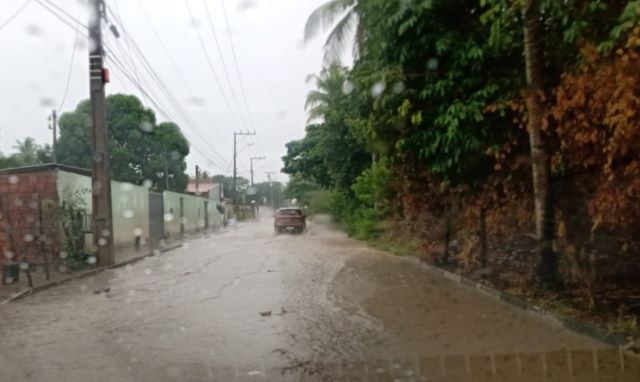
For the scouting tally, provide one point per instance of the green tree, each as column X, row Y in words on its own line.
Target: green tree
column 139, row 148
column 27, row 151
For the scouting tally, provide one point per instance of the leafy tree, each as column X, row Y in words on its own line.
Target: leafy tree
column 139, row 149
column 227, row 183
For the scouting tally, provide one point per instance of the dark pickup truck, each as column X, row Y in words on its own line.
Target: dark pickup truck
column 290, row 219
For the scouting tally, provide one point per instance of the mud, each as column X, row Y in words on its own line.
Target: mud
column 246, row 305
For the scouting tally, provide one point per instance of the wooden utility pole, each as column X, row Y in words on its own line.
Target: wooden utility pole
column 252, row 159
column 100, row 177
column 53, row 125
column 235, row 168
column 269, row 173
column 197, row 179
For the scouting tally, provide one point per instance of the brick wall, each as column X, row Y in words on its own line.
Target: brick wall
column 20, row 235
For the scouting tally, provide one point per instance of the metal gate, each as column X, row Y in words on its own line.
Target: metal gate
column 156, row 219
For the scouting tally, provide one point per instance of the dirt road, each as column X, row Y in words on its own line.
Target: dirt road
column 245, row 305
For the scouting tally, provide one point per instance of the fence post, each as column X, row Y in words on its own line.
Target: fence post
column 181, row 218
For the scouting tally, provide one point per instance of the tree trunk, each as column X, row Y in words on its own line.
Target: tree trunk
column 534, row 61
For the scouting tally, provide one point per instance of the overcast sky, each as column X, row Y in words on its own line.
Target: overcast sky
column 36, row 51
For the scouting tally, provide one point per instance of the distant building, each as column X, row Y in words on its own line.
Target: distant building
column 206, row 188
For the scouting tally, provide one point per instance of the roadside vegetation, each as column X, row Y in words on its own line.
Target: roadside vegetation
column 501, row 135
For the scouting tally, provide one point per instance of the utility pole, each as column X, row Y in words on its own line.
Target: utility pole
column 235, row 156
column 269, row 173
column 197, row 179
column 53, row 125
column 252, row 159
column 100, row 177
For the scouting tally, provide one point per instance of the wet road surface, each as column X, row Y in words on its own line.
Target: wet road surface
column 245, row 305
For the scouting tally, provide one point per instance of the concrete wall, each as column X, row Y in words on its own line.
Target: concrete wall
column 193, row 213
column 130, row 205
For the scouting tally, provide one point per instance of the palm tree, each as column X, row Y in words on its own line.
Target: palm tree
column 27, row 151
column 329, row 82
column 325, row 16
column 534, row 63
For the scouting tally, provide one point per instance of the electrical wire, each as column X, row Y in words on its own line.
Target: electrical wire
column 223, row 61
column 210, row 63
column 174, row 65
column 15, row 14
column 162, row 86
column 69, row 71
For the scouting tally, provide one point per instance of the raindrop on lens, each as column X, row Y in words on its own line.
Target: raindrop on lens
column 28, row 238
column 398, row 87
column 378, row 88
column 97, row 157
column 137, row 232
column 102, row 242
column 147, row 271
column 347, row 87
column 13, row 179
column 128, row 214
column 24, row 266
column 63, row 254
column 147, row 183
column 168, row 217
column 432, row 64
column 92, row 259
column 146, row 126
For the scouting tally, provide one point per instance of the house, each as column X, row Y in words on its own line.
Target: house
column 41, row 204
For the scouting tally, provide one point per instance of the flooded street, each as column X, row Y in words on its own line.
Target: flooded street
column 245, row 305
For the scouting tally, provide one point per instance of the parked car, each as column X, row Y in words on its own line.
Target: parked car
column 291, row 219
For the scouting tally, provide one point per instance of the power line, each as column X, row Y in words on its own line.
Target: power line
column 222, row 60
column 15, row 14
column 213, row 72
column 69, row 71
column 173, row 63
column 162, row 86
column 235, row 62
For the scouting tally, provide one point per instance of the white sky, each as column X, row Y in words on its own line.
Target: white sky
column 36, row 50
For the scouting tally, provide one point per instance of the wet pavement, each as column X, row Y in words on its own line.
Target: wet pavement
column 245, row 305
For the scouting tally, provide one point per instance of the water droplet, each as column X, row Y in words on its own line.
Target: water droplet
column 378, row 88
column 62, row 269
column 348, row 87
column 97, row 157
column 137, row 232
column 432, row 64
column 18, row 202
column 93, row 259
column 34, row 30
column 105, row 233
column 146, row 126
column 8, row 280
column 128, row 267
column 33, row 205
column 147, row 183
column 63, row 254
column 127, row 214
column 24, row 266
column 102, row 242
column 195, row 101
column 398, row 87
column 147, row 271
column 46, row 102
column 168, row 217
column 157, row 252
column 13, row 179
column 126, row 187
column 28, row 238
column 236, row 281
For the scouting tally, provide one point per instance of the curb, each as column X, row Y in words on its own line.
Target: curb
column 573, row 324
column 81, row 275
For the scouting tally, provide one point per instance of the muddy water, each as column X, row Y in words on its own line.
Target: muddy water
column 247, row 306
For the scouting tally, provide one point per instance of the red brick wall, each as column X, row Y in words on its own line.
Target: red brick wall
column 19, row 216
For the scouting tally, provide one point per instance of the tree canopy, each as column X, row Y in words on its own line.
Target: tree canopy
column 139, row 148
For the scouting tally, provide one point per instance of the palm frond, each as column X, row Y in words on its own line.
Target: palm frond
column 324, row 16
column 337, row 39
